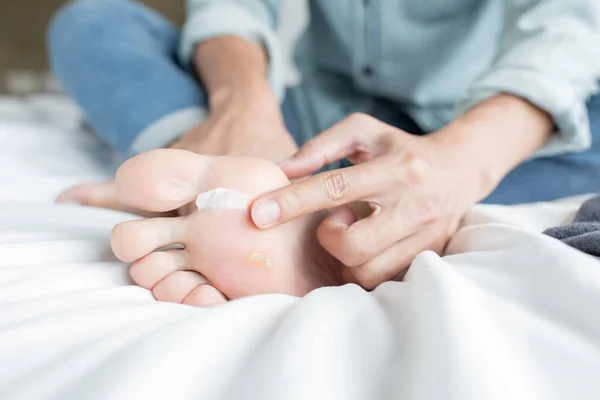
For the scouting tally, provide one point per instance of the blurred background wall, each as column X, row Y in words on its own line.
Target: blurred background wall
column 23, row 23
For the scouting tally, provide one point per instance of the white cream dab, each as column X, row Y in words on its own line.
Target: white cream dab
column 223, row 199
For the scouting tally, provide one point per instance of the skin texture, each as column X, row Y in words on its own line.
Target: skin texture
column 224, row 255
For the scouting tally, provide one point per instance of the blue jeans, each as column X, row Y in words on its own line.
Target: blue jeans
column 117, row 59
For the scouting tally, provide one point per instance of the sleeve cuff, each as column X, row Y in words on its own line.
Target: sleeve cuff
column 225, row 19
column 558, row 100
column 167, row 129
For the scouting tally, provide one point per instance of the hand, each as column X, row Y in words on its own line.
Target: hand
column 417, row 188
column 243, row 123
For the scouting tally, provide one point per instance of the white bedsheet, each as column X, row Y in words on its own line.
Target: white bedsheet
column 508, row 314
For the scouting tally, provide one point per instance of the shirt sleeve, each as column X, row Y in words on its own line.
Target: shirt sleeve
column 254, row 20
column 549, row 54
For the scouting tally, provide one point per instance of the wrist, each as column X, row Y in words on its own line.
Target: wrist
column 468, row 156
column 246, row 94
column 494, row 137
column 231, row 67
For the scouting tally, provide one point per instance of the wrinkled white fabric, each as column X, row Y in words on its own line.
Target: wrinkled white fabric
column 508, row 313
column 223, row 199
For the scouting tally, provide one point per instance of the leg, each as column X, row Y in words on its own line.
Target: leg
column 116, row 58
column 550, row 178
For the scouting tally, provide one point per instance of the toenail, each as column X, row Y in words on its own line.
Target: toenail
column 266, row 213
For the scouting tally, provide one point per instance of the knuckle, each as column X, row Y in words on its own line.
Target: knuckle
column 341, row 245
column 356, row 249
column 292, row 203
column 352, row 253
column 310, row 145
column 439, row 242
column 360, row 118
column 417, row 169
column 366, row 277
column 355, row 239
column 337, row 185
column 346, row 259
column 313, row 147
column 356, row 116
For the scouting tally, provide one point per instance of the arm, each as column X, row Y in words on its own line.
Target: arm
column 253, row 20
column 418, row 187
column 230, row 66
column 494, row 137
column 549, row 56
column 477, row 151
column 237, row 57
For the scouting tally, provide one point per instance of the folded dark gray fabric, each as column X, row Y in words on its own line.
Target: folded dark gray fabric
column 584, row 232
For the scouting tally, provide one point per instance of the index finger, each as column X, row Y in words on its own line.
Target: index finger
column 326, row 190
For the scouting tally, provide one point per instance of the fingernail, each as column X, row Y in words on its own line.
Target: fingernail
column 265, row 213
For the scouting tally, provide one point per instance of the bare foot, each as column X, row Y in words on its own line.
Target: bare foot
column 224, row 256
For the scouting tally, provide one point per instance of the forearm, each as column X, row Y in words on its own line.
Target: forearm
column 244, row 114
column 497, row 135
column 229, row 66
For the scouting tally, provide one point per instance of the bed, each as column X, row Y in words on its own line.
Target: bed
column 507, row 313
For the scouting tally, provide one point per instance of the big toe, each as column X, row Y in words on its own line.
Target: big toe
column 166, row 179
column 161, row 180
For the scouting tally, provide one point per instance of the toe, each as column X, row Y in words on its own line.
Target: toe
column 161, row 180
column 204, row 296
column 99, row 194
column 132, row 240
column 177, row 286
column 154, row 267
column 167, row 179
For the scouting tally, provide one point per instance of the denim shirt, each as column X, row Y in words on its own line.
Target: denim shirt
column 434, row 58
